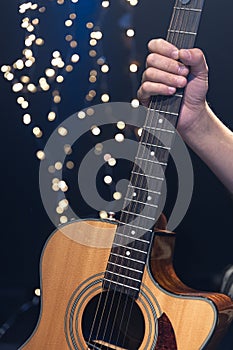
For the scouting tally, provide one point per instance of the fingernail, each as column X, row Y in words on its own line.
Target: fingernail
column 175, row 54
column 171, row 90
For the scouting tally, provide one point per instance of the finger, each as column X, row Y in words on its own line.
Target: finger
column 163, row 48
column 166, row 64
column 195, row 59
column 148, row 89
column 155, row 75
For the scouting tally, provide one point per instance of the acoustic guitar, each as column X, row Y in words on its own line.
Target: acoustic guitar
column 118, row 288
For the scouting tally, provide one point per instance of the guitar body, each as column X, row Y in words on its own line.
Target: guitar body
column 165, row 315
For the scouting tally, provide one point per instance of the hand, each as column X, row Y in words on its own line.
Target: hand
column 168, row 68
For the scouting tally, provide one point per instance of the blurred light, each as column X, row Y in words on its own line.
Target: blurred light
column 81, row 115
column 121, row 125
column 135, row 103
column 70, row 165
column 63, row 219
column 130, row 33
column 103, row 214
column 68, row 23
column 112, row 161
column 17, row 87
column 75, row 58
column 119, row 137
column 40, row 155
column 50, row 72
column 108, row 179
column 89, row 25
column 95, row 130
column 117, row 195
column 105, row 68
column 105, row 98
column 37, row 292
column 133, row 67
column 105, row 4
column 37, row 132
column 27, row 119
column 62, row 131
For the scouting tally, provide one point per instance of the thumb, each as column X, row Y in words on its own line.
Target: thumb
column 195, row 59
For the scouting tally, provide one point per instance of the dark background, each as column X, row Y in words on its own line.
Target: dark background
column 205, row 236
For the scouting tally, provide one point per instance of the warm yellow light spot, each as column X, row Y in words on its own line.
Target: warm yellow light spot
column 95, row 130
column 32, row 88
column 63, row 203
column 121, row 125
column 105, row 98
column 73, row 44
column 5, row 68
column 105, row 68
column 105, row 4
column 9, row 76
column 25, row 79
column 117, row 196
column 92, row 53
column 140, row 132
column 67, row 149
column 92, row 79
column 93, row 42
column 20, row 100
column 51, row 169
column 63, row 219
column 81, row 115
column 56, row 54
column 68, row 37
column 27, row 119
column 89, row 25
column 72, row 16
column 51, row 116
column 68, row 23
column 112, row 161
column 60, row 79
column 96, row 35
column 17, row 87
column 108, row 179
column 50, row 72
column 37, row 132
column 35, row 21
column 39, row 41
column 57, row 99
column 63, row 186
column 90, row 111
column 130, row 33
column 119, row 137
column 19, row 64
column 133, row 67
column 25, row 104
column 75, row 58
column 62, row 131
column 135, row 103
column 40, row 155
column 103, row 214
column 37, row 292
column 107, row 156
column 59, row 210
column 70, row 165
column 58, row 165
column 69, row 68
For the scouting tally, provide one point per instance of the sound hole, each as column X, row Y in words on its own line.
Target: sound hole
column 113, row 320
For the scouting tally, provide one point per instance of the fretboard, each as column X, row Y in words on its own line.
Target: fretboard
column 140, row 211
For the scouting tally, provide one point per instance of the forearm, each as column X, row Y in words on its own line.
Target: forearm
column 213, row 142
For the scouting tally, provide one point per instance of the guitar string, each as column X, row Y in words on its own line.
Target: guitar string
column 128, row 296
column 143, row 226
column 183, row 24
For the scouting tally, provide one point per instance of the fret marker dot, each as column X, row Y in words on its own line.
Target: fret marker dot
column 149, row 198
column 160, row 120
column 134, row 194
column 133, row 232
column 152, row 153
column 128, row 253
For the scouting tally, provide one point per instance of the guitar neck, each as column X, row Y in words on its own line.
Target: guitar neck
column 141, row 205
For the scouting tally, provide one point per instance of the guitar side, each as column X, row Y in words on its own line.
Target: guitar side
column 72, row 268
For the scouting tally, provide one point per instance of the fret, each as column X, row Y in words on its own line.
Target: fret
column 136, row 201
column 154, row 145
column 159, row 129
column 135, row 226
column 132, row 238
column 128, row 248
column 187, row 9
column 131, row 259
column 121, row 284
column 148, row 176
column 151, row 161
column 124, row 276
column 143, row 189
column 181, row 32
column 124, row 267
